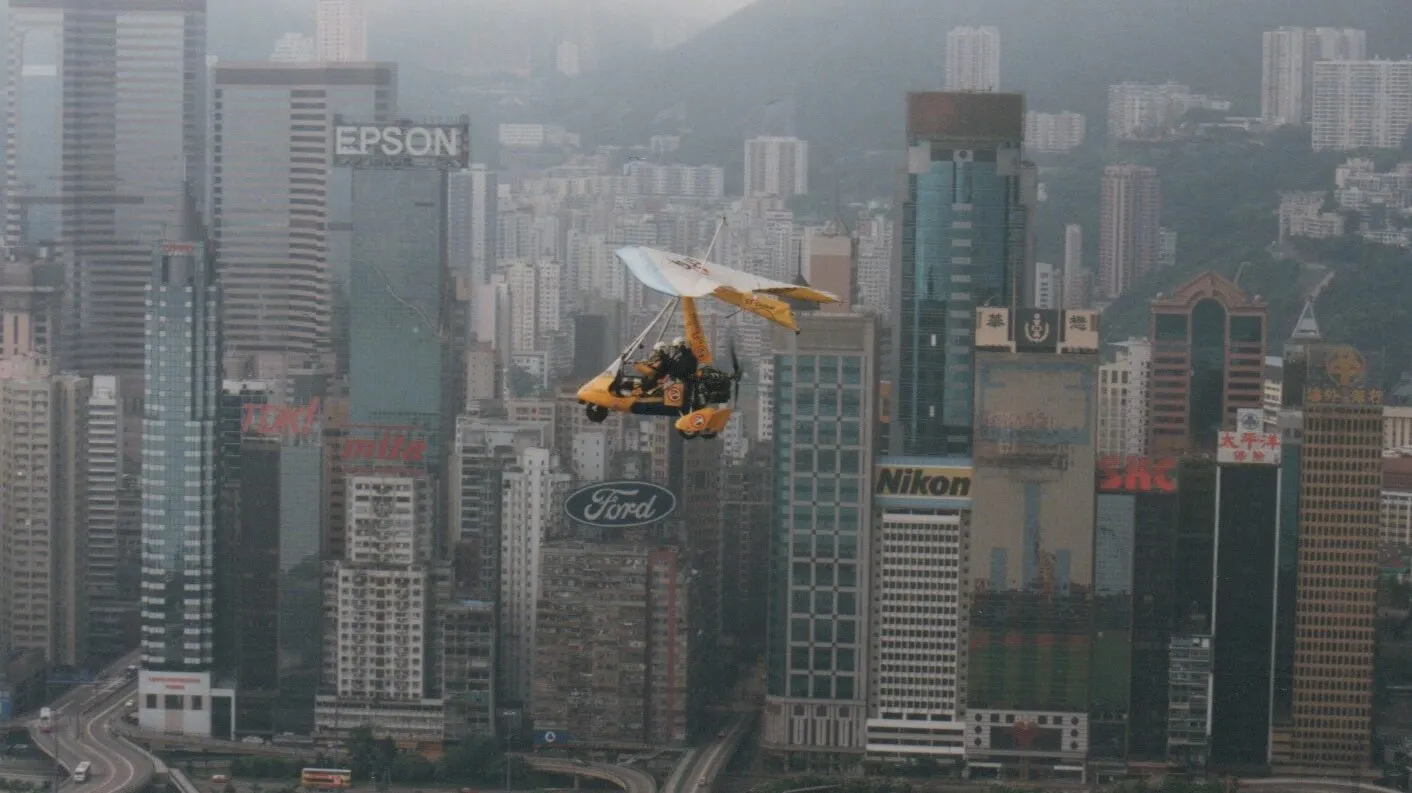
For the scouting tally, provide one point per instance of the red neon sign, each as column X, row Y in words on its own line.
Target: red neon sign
column 280, row 419
column 389, row 446
column 1137, row 475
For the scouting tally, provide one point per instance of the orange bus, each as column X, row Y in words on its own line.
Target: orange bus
column 326, row 778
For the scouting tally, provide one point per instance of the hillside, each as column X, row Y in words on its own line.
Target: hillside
column 835, row 71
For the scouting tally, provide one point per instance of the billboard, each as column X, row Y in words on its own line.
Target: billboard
column 1249, row 448
column 544, row 738
column 620, row 505
column 1032, row 532
column 405, row 145
column 1137, row 475
column 923, row 482
column 1342, row 375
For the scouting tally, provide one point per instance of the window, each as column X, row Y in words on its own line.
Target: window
column 151, row 702
column 799, row 685
column 196, row 703
column 171, row 702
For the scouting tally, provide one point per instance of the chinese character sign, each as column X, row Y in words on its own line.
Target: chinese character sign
column 1249, row 448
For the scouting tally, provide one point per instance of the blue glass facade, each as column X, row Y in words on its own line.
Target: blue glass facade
column 398, row 319
column 182, row 388
column 964, row 244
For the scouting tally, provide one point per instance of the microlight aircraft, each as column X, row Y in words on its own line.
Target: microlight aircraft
column 700, row 402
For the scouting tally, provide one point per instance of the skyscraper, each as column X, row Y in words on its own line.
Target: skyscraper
column 273, row 124
column 138, row 105
column 473, row 207
column 1078, row 279
column 818, row 624
column 973, row 59
column 1122, row 400
column 1287, row 75
column 108, row 549
column 1033, row 648
column 966, row 224
column 43, row 593
column 1208, row 359
column 1339, row 512
column 342, row 32
column 1129, row 228
column 776, row 166
column 180, row 412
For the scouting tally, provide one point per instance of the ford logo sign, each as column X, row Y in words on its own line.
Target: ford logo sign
column 620, row 505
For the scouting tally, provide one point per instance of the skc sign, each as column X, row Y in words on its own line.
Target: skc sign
column 445, row 146
column 1249, row 448
column 551, row 738
column 897, row 481
column 620, row 505
column 1137, row 475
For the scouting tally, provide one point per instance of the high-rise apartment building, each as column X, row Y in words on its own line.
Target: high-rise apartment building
column 534, row 487
column 273, row 127
column 1078, row 279
column 1361, row 104
column 474, row 219
column 825, row 408
column 485, row 448
column 611, row 655
column 965, row 242
column 1340, row 473
column 138, row 104
column 830, row 264
column 43, row 592
column 973, row 59
column 31, row 297
column 1122, row 400
column 1054, row 132
column 1048, row 286
column 776, row 166
column 293, row 48
column 466, row 667
column 1287, row 75
column 1129, row 227
column 183, row 387
column 1208, row 359
column 376, row 624
column 1033, row 646
column 112, row 598
column 342, row 31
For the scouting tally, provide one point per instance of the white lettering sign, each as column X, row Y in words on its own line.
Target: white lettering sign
column 608, row 505
column 441, row 142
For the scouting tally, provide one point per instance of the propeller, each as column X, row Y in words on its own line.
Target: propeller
column 737, row 375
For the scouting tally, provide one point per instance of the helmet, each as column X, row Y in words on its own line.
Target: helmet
column 679, row 342
column 659, row 346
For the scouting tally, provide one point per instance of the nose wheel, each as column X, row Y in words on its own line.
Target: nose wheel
column 596, row 413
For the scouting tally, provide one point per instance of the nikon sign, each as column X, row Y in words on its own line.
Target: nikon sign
column 443, row 146
column 939, row 482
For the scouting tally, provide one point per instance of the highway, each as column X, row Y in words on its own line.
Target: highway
column 83, row 729
column 629, row 779
column 1313, row 785
column 700, row 767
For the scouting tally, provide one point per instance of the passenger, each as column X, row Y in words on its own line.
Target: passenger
column 656, row 365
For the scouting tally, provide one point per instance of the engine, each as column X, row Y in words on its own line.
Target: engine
column 713, row 387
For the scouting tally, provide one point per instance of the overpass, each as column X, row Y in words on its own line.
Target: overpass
column 629, row 779
column 1295, row 784
column 195, row 743
column 699, row 769
column 82, row 731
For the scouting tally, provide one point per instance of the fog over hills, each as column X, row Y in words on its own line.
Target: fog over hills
column 835, row 71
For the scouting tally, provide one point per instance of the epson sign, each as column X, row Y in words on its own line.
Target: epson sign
column 445, row 146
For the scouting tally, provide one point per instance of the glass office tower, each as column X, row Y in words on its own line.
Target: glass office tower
column 966, row 239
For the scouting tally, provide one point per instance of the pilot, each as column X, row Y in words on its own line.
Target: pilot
column 681, row 363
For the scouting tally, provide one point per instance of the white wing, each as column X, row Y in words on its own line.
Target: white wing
column 687, row 276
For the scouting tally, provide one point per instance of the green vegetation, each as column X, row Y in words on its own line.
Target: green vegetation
column 1221, row 197
column 844, row 786
column 22, row 786
column 1171, row 784
column 475, row 763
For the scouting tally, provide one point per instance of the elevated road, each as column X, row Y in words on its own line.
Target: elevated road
column 196, row 743
column 1294, row 784
column 629, row 779
column 83, row 722
column 701, row 771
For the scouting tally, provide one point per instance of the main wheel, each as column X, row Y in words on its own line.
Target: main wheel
column 596, row 413
column 706, row 436
column 687, row 435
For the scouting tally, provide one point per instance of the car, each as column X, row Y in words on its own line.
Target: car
column 720, row 735
column 132, row 703
column 253, row 740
